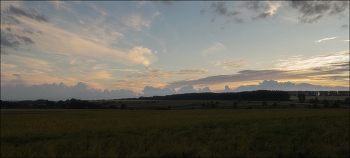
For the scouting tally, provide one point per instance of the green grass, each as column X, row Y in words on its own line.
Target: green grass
column 180, row 133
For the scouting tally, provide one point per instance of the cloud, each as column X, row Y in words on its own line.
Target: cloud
column 328, row 61
column 156, row 73
column 312, row 11
column 33, row 14
column 5, row 41
column 324, row 39
column 95, row 36
column 191, row 72
column 27, row 40
column 269, row 9
column 320, row 67
column 344, row 26
column 18, row 76
column 262, row 15
column 35, row 64
column 141, row 55
column 168, row 3
column 217, row 47
column 288, row 86
column 228, row 65
column 8, row 29
column 99, row 75
column 137, row 22
column 60, row 92
column 203, row 11
column 304, row 19
column 187, row 89
column 149, row 91
column 221, row 9
column 256, row 6
column 206, row 89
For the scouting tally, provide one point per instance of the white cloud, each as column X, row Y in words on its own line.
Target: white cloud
column 58, row 41
column 274, row 6
column 319, row 61
column 137, row 22
column 217, row 47
column 325, row 39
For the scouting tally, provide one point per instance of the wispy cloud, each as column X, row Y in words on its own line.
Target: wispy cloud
column 157, row 73
column 324, row 39
column 217, row 47
column 320, row 61
column 228, row 65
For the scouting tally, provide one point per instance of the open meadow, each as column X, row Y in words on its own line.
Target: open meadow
column 296, row 132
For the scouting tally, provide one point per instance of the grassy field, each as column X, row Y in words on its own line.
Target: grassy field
column 180, row 133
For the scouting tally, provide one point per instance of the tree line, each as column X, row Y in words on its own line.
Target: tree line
column 249, row 96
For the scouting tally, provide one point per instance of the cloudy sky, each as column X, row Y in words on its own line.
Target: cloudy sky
column 172, row 47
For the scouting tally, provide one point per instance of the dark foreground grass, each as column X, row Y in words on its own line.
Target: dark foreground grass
column 179, row 133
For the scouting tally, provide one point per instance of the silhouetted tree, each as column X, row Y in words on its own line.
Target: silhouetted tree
column 325, row 103
column 336, row 104
column 347, row 101
column 239, row 98
column 292, row 105
column 274, row 105
column 235, row 105
column 123, row 106
column 315, row 106
column 301, row 97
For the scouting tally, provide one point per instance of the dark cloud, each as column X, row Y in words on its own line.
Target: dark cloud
column 311, row 7
column 256, row 6
column 344, row 26
column 312, row 11
column 11, row 39
column 261, row 16
column 7, row 42
column 8, row 29
column 29, row 14
column 203, row 11
column 27, row 40
column 3, row 52
column 60, row 92
column 304, row 19
column 168, row 3
column 40, row 32
column 26, row 31
column 8, row 19
column 18, row 76
column 241, row 76
column 221, row 9
column 239, row 20
column 339, row 7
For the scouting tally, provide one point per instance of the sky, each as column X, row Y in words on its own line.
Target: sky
column 116, row 49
